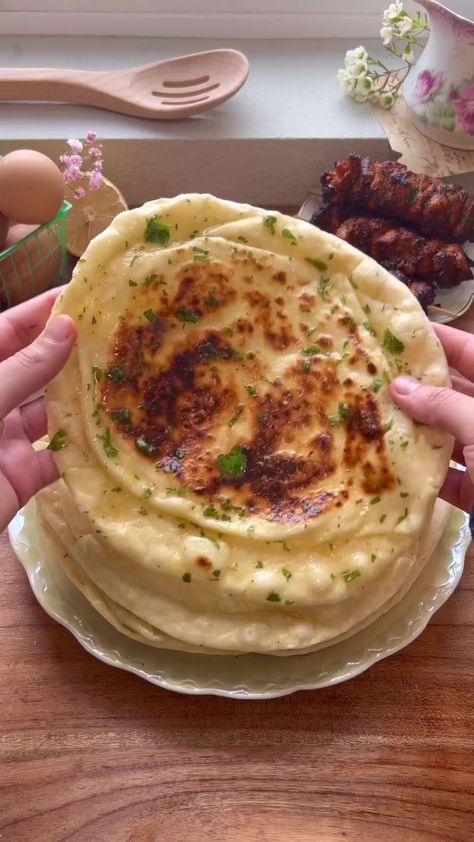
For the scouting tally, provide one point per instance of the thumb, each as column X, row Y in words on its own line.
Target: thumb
column 440, row 406
column 34, row 366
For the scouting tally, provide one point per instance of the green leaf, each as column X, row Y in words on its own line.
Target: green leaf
column 270, row 222
column 233, row 463
column 157, row 232
column 318, row 264
column 150, row 315
column 324, row 288
column 238, row 412
column 144, row 445
column 392, row 344
column 289, row 235
column 106, row 440
column 117, row 374
column 58, row 441
column 123, row 416
column 350, row 575
column 185, row 315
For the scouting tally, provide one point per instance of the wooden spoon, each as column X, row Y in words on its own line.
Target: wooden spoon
column 165, row 90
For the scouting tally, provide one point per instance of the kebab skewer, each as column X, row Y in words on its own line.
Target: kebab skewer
column 389, row 189
column 432, row 260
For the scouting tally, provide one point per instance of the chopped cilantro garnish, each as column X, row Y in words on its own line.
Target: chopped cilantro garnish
column 392, row 344
column 311, row 350
column 350, row 575
column 211, row 299
column 186, row 577
column 404, row 494
column 233, row 463
column 93, row 320
column 238, row 412
column 286, row 573
column 251, row 390
column 306, row 366
column 58, row 441
column 117, row 374
column 343, row 412
column 157, row 232
column 200, row 254
column 388, row 426
column 289, row 235
column 185, row 315
column 149, row 279
column 96, row 373
column 273, row 596
column 375, row 500
column 259, row 565
column 215, row 574
column 146, row 493
column 404, row 444
column 263, row 415
column 270, row 222
column 150, row 315
column 366, row 309
column 324, row 288
column 123, row 416
column 369, row 328
column 144, row 445
column 318, row 264
column 242, row 239
column 377, row 384
column 373, row 557
column 132, row 283
column 180, row 452
column 109, row 449
column 211, row 511
column 382, row 518
column 403, row 516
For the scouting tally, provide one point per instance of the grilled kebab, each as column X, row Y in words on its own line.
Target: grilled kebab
column 440, row 263
column 389, row 189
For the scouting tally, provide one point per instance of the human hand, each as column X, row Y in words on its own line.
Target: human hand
column 30, row 356
column 450, row 409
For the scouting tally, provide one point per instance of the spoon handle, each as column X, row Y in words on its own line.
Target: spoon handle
column 53, row 85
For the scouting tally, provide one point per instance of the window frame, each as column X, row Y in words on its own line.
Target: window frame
column 195, row 18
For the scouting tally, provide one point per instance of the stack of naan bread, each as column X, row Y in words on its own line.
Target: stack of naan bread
column 234, row 474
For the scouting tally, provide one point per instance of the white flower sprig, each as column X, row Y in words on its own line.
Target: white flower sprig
column 367, row 79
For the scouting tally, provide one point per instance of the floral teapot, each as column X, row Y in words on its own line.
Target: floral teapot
column 440, row 88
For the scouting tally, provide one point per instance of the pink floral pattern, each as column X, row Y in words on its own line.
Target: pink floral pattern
column 450, row 107
column 427, row 84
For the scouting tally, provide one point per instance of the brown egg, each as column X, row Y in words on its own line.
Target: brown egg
column 31, row 268
column 3, row 231
column 31, row 187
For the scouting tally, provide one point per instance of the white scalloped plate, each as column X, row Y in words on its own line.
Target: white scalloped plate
column 244, row 676
column 456, row 300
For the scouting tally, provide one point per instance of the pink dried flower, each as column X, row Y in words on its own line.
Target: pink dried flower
column 72, row 174
column 95, row 181
column 95, row 152
column 97, row 166
column 91, row 137
column 465, row 114
column 79, row 193
column 453, row 94
column 75, row 144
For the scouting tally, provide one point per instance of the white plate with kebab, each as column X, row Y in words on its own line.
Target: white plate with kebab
column 420, row 228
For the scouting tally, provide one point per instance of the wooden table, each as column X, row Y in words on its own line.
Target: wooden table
column 92, row 754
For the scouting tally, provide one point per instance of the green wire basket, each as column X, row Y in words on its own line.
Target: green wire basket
column 36, row 263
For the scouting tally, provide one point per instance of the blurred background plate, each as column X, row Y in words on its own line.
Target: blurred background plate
column 244, row 676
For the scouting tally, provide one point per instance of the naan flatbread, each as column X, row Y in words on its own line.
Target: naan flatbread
column 235, row 473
